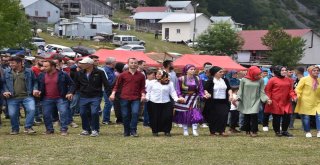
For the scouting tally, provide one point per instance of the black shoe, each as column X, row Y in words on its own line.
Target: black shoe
column 278, row 134
column 168, row 134
column 155, row 134
column 287, row 134
column 126, row 134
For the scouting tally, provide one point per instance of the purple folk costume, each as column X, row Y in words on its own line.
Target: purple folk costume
column 188, row 113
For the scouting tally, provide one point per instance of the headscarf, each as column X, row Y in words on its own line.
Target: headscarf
column 164, row 80
column 186, row 68
column 315, row 82
column 214, row 70
column 277, row 71
column 253, row 72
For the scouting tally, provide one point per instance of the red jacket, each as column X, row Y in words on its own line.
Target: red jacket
column 280, row 91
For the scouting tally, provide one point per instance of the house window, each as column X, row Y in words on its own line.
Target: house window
column 152, row 21
column 178, row 31
column 57, row 11
column 36, row 13
column 48, row 13
column 93, row 26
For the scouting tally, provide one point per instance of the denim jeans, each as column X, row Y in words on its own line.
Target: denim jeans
column 49, row 105
column 306, row 122
column 107, row 108
column 14, row 109
column 74, row 105
column 89, row 112
column 38, row 110
column 130, row 122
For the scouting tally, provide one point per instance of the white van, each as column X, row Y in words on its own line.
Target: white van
column 38, row 41
column 126, row 39
column 65, row 51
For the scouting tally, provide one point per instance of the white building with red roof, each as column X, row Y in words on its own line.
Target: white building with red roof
column 254, row 52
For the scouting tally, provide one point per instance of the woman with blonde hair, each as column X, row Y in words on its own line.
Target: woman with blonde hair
column 308, row 92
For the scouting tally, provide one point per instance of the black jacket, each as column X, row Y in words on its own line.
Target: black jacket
column 92, row 87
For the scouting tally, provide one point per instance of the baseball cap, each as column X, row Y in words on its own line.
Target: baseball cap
column 86, row 60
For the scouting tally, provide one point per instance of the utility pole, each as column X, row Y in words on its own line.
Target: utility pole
column 195, row 5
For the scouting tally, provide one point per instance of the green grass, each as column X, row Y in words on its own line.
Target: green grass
column 112, row 148
column 122, row 16
column 67, row 42
column 157, row 45
column 152, row 45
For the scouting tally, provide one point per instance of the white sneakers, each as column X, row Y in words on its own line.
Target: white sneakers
column 318, row 134
column 194, row 130
column 309, row 135
column 204, row 125
column 265, row 129
column 94, row 133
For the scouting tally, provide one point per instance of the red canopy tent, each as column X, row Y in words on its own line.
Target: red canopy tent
column 123, row 56
column 198, row 60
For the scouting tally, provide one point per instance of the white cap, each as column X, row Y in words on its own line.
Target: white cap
column 86, row 60
column 29, row 58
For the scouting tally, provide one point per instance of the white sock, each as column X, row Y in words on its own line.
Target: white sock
column 185, row 128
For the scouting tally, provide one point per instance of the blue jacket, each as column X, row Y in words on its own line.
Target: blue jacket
column 110, row 75
column 29, row 78
column 65, row 84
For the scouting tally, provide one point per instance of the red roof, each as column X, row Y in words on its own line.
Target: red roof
column 198, row 60
column 252, row 38
column 123, row 56
column 151, row 9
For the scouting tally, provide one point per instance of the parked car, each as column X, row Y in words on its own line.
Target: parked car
column 63, row 50
column 16, row 51
column 38, row 41
column 191, row 44
column 131, row 47
column 4, row 50
column 126, row 39
column 83, row 51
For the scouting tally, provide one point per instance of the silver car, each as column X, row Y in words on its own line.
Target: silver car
column 132, row 48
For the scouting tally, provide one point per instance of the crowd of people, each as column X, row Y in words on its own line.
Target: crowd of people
column 56, row 89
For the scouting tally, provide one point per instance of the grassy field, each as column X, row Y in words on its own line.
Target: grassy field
column 112, row 148
column 152, row 45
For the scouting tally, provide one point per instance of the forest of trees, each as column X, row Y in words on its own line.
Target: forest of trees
column 255, row 14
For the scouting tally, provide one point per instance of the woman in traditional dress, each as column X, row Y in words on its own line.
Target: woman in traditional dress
column 250, row 94
column 308, row 92
column 190, row 88
column 159, row 106
column 218, row 105
column 280, row 90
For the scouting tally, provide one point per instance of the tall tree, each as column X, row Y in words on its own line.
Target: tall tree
column 220, row 39
column 284, row 49
column 155, row 2
column 14, row 26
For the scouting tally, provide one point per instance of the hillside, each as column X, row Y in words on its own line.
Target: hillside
column 262, row 13
column 259, row 14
